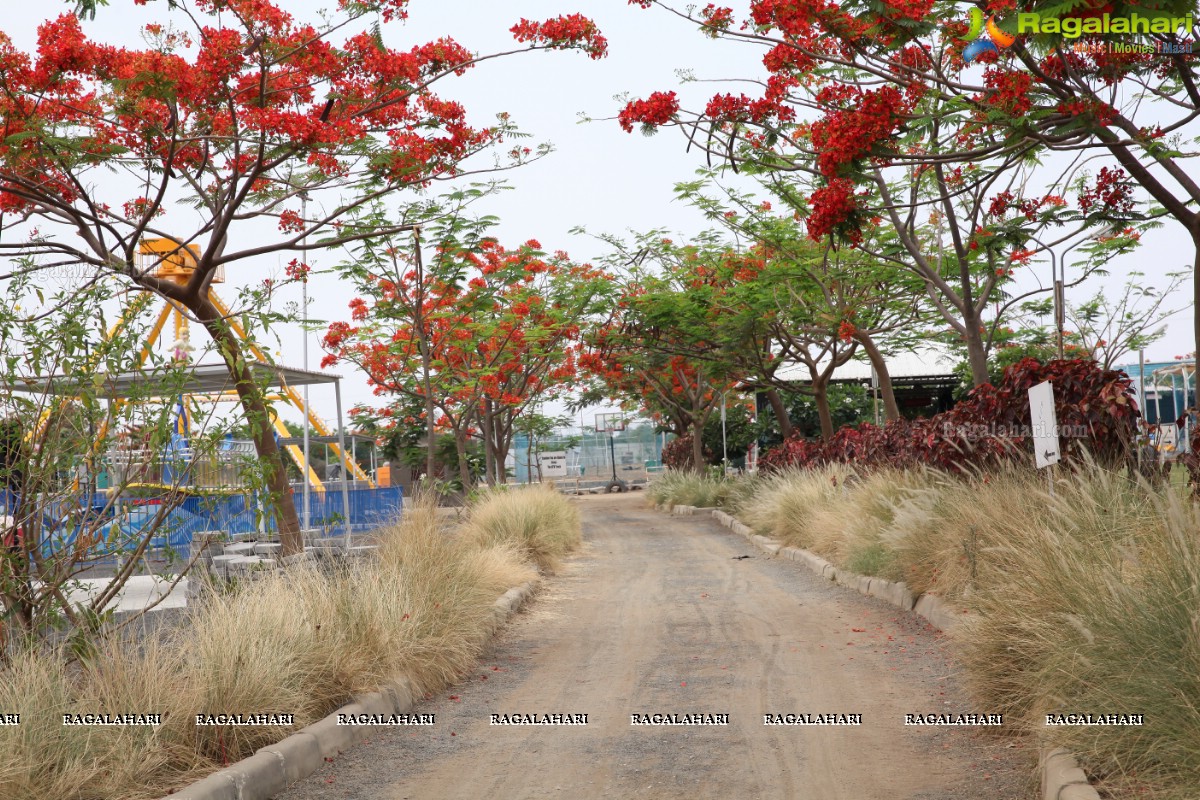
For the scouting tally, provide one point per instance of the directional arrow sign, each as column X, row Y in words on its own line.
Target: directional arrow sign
column 1044, row 424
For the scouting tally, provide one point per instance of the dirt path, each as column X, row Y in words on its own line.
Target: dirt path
column 658, row 616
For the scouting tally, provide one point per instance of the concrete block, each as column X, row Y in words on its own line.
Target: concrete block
column 907, row 601
column 218, row 786
column 845, row 578
column 240, row 565
column 1062, row 776
column 208, row 544
column 939, row 614
column 864, row 584
column 401, row 693
column 299, row 755
column 888, row 591
column 220, row 565
column 362, row 550
column 327, row 543
column 814, row 562
column 1078, row 791
column 723, row 518
column 260, row 776
column 303, row 557
column 267, row 549
column 829, row 572
column 333, row 738
column 239, row 549
column 741, row 529
column 375, row 703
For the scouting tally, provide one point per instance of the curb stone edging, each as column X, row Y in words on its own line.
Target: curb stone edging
column 1061, row 777
column 276, row 766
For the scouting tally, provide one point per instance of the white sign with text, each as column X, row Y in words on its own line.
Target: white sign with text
column 1044, row 424
column 554, row 465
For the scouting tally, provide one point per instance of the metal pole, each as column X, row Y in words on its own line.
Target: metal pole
column 1059, row 313
column 1157, row 413
column 307, row 516
column 724, row 444
column 875, row 392
column 612, row 449
column 337, row 394
column 1142, row 399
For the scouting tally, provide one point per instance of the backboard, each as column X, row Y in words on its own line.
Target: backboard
column 610, row 423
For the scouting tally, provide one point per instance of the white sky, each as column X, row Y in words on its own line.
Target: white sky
column 599, row 176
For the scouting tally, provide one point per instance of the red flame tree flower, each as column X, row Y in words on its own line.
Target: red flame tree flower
column 240, row 111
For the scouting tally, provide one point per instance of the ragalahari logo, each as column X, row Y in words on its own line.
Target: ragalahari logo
column 993, row 41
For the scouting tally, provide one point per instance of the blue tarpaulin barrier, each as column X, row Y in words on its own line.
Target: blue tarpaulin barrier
column 369, row 509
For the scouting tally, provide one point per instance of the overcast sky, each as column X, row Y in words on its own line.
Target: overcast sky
column 599, row 176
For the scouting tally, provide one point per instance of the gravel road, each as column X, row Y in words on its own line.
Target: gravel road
column 658, row 615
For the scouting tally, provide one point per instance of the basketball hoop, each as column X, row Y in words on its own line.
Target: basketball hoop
column 610, row 423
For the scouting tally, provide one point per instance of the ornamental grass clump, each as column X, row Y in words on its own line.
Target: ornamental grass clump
column 699, row 489
column 539, row 520
column 1084, row 601
column 1092, row 608
column 298, row 643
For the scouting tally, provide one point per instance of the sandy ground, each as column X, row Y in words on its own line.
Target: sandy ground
column 658, row 615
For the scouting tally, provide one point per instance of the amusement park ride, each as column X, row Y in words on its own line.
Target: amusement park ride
column 177, row 264
column 209, row 492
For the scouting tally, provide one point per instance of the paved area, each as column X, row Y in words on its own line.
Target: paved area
column 139, row 592
column 662, row 615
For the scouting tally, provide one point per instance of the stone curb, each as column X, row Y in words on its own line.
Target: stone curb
column 1062, row 779
column 275, row 767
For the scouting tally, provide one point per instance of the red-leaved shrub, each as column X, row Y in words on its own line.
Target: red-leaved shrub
column 1094, row 407
column 678, row 453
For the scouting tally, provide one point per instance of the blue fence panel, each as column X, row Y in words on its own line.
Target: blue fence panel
column 369, row 509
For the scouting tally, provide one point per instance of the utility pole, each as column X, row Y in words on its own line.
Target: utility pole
column 307, row 516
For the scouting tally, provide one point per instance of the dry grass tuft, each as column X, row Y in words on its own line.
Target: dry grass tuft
column 1084, row 601
column 539, row 519
column 298, row 643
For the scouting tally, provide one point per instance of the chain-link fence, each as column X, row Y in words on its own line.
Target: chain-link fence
column 636, row 453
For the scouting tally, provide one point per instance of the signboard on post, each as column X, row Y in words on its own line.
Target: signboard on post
column 554, row 465
column 1044, row 424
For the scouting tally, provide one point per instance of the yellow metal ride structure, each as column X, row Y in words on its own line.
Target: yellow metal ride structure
column 177, row 263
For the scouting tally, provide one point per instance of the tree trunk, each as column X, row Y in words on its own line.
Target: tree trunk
column 255, row 409
column 976, row 353
column 820, row 390
column 891, row 409
column 430, row 425
column 697, row 448
column 464, row 468
column 781, row 414
column 489, row 449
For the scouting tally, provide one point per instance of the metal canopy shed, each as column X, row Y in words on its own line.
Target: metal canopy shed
column 191, row 379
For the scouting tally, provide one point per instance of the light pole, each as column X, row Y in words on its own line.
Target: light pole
column 1058, row 276
column 307, row 516
column 724, row 443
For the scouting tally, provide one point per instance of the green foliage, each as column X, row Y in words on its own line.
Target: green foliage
column 741, row 431
column 708, row 489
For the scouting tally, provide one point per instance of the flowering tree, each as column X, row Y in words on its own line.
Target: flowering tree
column 476, row 336
column 89, row 472
column 879, row 106
column 242, row 113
